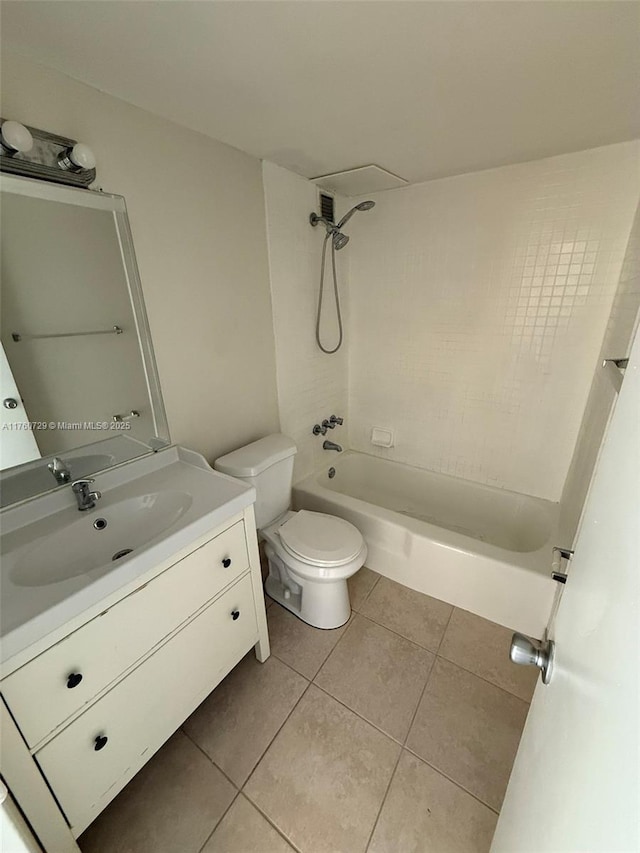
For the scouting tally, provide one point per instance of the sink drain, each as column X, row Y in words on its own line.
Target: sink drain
column 122, row 553
column 100, row 523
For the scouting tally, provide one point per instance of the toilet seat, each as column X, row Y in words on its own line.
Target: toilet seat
column 319, row 539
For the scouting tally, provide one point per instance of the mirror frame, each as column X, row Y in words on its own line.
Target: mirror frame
column 99, row 200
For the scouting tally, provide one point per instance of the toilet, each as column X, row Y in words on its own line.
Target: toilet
column 311, row 555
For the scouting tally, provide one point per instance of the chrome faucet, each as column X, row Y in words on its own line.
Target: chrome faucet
column 86, row 498
column 331, row 445
column 59, row 470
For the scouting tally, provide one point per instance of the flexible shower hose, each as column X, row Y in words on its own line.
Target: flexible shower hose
column 337, row 296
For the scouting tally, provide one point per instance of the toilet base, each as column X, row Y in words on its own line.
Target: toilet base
column 323, row 605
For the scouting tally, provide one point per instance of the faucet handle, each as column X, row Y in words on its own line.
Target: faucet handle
column 336, row 421
column 79, row 484
column 328, row 424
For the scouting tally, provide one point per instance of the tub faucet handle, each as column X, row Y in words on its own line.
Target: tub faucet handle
column 328, row 425
column 319, row 430
column 336, row 421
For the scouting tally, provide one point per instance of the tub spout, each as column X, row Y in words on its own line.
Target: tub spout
column 331, row 445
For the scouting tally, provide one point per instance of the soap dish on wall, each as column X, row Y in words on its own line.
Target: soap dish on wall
column 382, row 437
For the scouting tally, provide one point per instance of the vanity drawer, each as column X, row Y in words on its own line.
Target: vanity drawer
column 143, row 709
column 57, row 683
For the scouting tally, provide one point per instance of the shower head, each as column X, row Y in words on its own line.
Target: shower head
column 339, row 240
column 364, row 205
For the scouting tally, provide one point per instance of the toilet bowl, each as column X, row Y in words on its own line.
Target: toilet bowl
column 311, row 555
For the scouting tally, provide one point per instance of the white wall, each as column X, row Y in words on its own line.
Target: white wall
column 478, row 307
column 617, row 343
column 311, row 384
column 197, row 214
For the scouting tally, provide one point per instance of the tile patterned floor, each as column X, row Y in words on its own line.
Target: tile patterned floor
column 393, row 734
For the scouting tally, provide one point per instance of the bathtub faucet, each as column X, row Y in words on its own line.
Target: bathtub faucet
column 331, row 445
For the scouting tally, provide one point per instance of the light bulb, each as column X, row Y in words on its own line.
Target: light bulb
column 80, row 158
column 15, row 137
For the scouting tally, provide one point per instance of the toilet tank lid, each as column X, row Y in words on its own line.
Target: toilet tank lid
column 256, row 457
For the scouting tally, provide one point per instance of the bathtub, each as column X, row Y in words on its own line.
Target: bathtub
column 477, row 547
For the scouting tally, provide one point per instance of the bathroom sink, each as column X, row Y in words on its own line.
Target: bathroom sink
column 94, row 540
column 58, row 563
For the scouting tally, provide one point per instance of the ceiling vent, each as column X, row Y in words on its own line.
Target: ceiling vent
column 327, row 210
column 360, row 181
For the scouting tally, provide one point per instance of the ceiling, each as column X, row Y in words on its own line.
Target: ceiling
column 423, row 89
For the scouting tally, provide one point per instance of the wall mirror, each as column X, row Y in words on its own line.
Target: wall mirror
column 79, row 385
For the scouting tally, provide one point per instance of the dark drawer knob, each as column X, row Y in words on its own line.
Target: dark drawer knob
column 100, row 742
column 235, row 614
column 73, row 679
column 226, row 562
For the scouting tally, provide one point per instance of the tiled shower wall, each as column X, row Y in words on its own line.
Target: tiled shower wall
column 617, row 343
column 478, row 306
column 311, row 385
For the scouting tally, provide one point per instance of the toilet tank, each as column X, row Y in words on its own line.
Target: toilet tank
column 267, row 465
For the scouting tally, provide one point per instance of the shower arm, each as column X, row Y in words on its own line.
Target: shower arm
column 314, row 219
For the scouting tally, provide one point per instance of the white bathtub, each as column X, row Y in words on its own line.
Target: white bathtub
column 480, row 548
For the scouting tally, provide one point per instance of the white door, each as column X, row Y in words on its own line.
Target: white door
column 17, row 444
column 574, row 785
column 15, row 835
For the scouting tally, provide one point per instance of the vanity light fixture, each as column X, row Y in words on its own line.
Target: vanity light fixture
column 80, row 158
column 45, row 156
column 14, row 138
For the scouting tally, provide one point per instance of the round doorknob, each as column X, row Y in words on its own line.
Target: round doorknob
column 226, row 562
column 527, row 652
column 10, row 403
column 235, row 614
column 100, row 742
column 73, row 679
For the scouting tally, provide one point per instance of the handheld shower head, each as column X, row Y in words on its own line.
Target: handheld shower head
column 364, row 205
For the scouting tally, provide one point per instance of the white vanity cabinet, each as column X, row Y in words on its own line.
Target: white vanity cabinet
column 82, row 716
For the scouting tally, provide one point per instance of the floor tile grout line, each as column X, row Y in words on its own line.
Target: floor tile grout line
column 268, row 746
column 382, row 625
column 450, row 779
column 358, row 714
column 466, row 669
column 384, row 799
column 218, row 822
column 446, row 628
column 415, row 713
column 348, row 624
column 426, row 684
column 527, row 702
column 270, row 821
column 364, row 719
column 297, row 671
column 240, row 788
column 366, row 598
column 208, row 757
